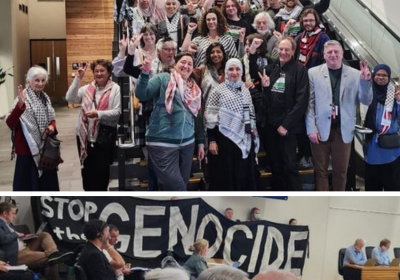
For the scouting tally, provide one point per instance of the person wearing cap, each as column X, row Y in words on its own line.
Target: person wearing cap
column 232, row 134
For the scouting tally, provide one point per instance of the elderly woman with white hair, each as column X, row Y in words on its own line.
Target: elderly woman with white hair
column 232, row 135
column 167, row 274
column 32, row 117
column 223, row 272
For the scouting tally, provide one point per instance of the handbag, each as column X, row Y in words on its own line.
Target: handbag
column 389, row 141
column 50, row 156
column 107, row 134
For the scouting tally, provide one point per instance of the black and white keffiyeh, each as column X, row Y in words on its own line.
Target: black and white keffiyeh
column 225, row 109
column 36, row 118
column 172, row 26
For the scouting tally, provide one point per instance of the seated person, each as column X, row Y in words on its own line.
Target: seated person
column 92, row 260
column 13, row 275
column 381, row 254
column 115, row 259
column 35, row 253
column 196, row 263
column 354, row 254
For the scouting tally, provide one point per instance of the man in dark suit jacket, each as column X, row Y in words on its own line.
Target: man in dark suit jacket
column 92, row 259
column 36, row 253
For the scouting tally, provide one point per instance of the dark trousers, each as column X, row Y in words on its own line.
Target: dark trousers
column 303, row 145
column 379, row 177
column 339, row 151
column 16, row 275
column 350, row 273
column 96, row 166
column 172, row 166
column 26, row 176
column 282, row 153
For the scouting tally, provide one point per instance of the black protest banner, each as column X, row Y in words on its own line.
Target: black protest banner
column 148, row 228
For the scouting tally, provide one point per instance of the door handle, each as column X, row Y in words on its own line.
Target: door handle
column 58, row 66
column 48, row 66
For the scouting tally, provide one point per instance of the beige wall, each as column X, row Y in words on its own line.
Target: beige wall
column 387, row 11
column 20, row 43
column 334, row 222
column 47, row 20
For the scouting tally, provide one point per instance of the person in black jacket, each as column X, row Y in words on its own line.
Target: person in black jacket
column 285, row 98
column 92, row 260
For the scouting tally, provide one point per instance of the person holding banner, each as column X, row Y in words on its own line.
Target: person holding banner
column 196, row 264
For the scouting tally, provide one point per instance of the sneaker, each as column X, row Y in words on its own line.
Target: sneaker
column 58, row 257
column 306, row 163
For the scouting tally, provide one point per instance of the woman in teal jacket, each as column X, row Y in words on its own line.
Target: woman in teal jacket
column 176, row 123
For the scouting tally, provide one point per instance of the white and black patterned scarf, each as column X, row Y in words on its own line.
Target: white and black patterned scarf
column 173, row 25
column 36, row 118
column 225, row 109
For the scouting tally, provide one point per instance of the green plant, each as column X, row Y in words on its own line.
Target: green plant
column 3, row 75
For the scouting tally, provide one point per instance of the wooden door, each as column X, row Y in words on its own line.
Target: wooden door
column 52, row 55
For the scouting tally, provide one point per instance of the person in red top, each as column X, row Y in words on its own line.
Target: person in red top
column 32, row 116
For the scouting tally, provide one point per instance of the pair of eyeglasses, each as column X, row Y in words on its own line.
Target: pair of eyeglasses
column 169, row 50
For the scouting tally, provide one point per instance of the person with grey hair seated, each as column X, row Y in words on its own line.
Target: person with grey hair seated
column 31, row 118
column 223, row 272
column 169, row 273
column 275, row 275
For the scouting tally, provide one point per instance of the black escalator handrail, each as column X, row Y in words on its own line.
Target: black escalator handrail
column 379, row 20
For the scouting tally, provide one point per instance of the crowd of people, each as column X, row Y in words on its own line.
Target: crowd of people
column 217, row 79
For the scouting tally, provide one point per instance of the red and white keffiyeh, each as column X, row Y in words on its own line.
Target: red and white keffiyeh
column 189, row 93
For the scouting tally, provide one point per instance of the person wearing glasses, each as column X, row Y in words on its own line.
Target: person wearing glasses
column 382, row 170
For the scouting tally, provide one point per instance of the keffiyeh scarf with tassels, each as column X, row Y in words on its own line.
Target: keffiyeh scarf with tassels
column 87, row 104
column 189, row 92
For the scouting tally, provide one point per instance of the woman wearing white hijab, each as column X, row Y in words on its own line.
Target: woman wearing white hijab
column 232, row 135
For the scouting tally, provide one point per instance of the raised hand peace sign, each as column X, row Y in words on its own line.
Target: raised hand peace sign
column 134, row 43
column 365, row 73
column 81, row 70
column 265, row 81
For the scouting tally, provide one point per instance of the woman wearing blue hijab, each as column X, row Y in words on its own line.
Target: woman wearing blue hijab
column 382, row 154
